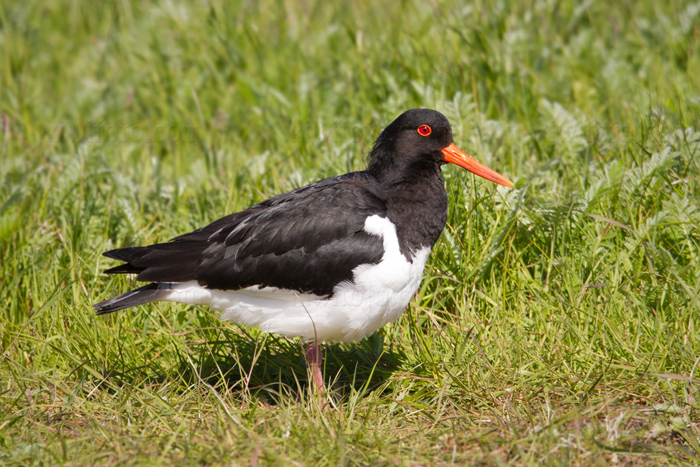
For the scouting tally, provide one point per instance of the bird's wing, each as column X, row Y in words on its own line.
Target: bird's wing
column 306, row 240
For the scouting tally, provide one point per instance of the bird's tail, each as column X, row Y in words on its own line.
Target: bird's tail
column 147, row 293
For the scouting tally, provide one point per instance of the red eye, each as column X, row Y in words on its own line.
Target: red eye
column 424, row 130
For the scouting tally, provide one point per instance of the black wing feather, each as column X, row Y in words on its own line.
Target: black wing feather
column 306, row 240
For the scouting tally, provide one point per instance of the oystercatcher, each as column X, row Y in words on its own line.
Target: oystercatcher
column 332, row 261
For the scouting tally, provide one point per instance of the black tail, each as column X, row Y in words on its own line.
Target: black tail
column 163, row 262
column 147, row 293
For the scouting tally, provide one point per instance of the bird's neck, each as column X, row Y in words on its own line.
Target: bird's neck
column 417, row 205
column 399, row 171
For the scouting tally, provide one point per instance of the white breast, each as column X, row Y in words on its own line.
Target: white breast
column 377, row 295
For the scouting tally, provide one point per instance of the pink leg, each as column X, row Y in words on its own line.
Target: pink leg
column 314, row 354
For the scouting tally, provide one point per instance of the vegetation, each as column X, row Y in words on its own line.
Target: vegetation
column 557, row 322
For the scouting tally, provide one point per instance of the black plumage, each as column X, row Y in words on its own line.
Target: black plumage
column 148, row 293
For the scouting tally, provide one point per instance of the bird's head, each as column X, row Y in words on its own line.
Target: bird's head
column 422, row 137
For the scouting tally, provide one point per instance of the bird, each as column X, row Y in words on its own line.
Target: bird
column 333, row 261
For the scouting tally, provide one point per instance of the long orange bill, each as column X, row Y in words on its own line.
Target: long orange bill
column 456, row 156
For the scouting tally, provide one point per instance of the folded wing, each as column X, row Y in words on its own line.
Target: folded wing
column 307, row 240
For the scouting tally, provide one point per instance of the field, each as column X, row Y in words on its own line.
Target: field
column 558, row 323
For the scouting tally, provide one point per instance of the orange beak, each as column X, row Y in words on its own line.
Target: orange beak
column 456, row 156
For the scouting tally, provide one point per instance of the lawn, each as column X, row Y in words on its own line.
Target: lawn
column 558, row 322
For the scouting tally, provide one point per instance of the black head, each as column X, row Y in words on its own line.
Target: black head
column 416, row 137
column 416, row 144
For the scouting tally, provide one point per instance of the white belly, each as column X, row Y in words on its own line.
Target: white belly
column 377, row 295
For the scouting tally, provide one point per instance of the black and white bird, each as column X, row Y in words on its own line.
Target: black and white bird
column 332, row 261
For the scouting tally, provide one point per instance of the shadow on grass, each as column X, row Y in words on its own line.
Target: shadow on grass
column 270, row 366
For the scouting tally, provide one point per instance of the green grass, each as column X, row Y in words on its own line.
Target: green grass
column 558, row 323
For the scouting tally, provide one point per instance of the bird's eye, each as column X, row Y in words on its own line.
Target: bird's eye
column 424, row 130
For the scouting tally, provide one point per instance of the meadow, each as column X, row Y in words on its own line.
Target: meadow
column 558, row 322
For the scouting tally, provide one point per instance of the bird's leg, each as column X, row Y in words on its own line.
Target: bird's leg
column 314, row 354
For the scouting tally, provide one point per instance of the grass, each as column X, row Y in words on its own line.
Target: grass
column 557, row 322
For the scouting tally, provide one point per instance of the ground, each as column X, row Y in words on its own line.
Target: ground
column 557, row 323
